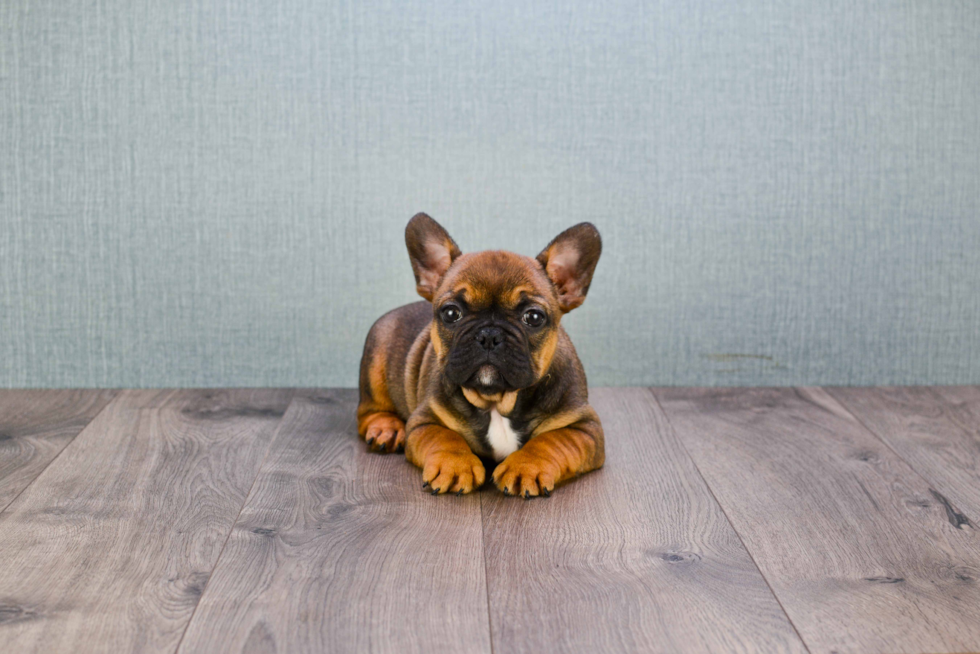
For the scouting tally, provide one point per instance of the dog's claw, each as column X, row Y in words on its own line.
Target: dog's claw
column 435, row 491
column 546, row 492
column 459, row 492
column 527, row 495
column 425, row 484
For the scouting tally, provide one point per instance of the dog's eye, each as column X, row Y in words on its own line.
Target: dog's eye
column 534, row 318
column 451, row 313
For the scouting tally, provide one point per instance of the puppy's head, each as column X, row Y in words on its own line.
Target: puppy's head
column 496, row 313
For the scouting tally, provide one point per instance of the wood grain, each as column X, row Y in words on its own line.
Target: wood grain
column 936, row 429
column 634, row 557
column 338, row 550
column 35, row 425
column 111, row 547
column 854, row 543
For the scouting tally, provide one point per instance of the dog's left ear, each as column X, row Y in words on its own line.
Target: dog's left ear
column 569, row 261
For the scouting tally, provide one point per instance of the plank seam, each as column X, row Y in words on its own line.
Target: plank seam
column 680, row 443
column 217, row 561
column 486, row 573
column 116, row 395
column 933, row 487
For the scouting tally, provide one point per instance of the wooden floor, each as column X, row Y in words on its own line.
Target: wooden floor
column 726, row 520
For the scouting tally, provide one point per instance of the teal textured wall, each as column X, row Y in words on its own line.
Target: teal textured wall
column 208, row 192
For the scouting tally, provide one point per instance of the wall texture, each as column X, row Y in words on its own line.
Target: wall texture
column 213, row 192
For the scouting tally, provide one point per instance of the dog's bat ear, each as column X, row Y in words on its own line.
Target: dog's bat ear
column 569, row 261
column 431, row 250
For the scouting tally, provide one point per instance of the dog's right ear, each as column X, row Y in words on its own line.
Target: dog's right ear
column 431, row 250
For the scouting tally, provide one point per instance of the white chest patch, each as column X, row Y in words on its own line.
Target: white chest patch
column 503, row 439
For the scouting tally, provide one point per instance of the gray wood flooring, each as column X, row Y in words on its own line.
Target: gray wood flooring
column 725, row 520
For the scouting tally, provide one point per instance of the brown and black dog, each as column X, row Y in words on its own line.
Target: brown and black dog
column 483, row 367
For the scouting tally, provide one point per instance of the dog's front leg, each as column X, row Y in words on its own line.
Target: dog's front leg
column 552, row 457
column 448, row 464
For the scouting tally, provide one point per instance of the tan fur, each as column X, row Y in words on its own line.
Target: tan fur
column 406, row 399
column 514, row 297
column 542, row 360
column 448, row 465
column 563, row 419
column 547, row 460
column 380, row 384
column 384, row 432
column 413, row 367
column 436, row 341
column 469, row 295
column 448, row 419
column 506, row 403
column 503, row 402
column 478, row 400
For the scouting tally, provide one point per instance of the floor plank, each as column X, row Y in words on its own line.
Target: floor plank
column 338, row 550
column 853, row 542
column 35, row 425
column 110, row 548
column 634, row 557
column 936, row 429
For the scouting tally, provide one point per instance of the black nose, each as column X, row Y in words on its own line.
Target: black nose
column 490, row 338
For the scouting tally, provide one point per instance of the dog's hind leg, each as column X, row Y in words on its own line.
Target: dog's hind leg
column 377, row 419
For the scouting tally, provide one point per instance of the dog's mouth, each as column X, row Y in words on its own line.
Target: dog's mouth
column 487, row 379
column 503, row 370
column 487, row 375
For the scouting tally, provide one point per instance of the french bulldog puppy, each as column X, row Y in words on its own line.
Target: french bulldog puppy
column 482, row 367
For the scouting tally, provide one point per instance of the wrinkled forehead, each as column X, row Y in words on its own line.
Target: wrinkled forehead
column 496, row 278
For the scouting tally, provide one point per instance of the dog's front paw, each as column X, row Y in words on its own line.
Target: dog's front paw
column 385, row 433
column 448, row 472
column 526, row 474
